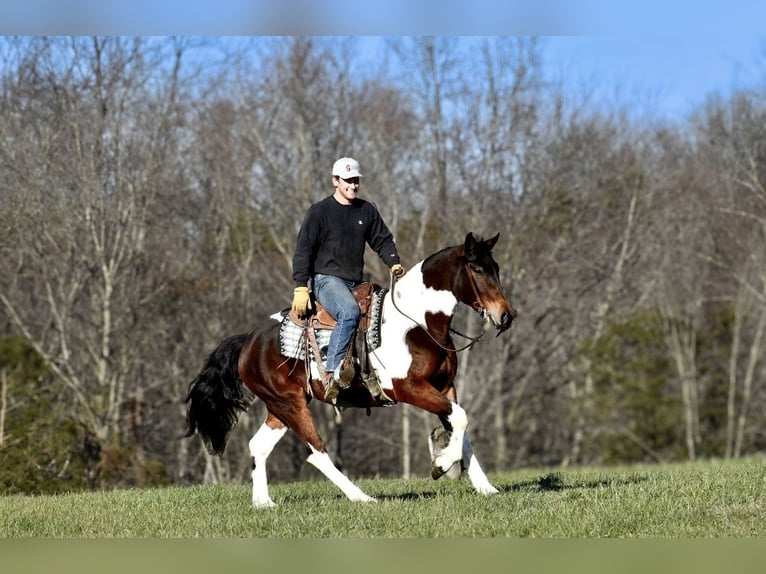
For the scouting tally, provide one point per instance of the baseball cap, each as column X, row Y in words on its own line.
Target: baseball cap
column 346, row 167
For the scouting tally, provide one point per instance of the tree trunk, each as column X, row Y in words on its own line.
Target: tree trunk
column 731, row 401
column 406, row 447
column 754, row 354
column 3, row 403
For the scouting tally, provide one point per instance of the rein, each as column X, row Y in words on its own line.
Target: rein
column 473, row 340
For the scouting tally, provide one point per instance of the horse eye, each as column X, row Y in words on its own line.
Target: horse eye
column 477, row 270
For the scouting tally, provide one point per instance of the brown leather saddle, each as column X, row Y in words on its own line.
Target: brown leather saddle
column 319, row 318
column 357, row 354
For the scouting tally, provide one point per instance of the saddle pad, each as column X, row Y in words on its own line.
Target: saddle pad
column 292, row 342
column 376, row 314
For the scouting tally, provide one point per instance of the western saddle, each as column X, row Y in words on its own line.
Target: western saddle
column 357, row 354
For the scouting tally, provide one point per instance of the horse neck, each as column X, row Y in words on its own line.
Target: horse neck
column 444, row 271
column 431, row 304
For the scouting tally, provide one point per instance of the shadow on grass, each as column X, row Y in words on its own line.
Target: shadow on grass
column 554, row 482
column 407, row 496
column 551, row 482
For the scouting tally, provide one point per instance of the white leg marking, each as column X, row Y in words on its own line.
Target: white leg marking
column 322, row 461
column 261, row 445
column 478, row 479
column 454, row 449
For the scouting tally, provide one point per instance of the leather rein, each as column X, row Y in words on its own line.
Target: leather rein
column 476, row 306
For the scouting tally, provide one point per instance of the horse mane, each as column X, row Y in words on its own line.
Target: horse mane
column 442, row 253
column 481, row 250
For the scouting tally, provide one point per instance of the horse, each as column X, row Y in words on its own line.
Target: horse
column 415, row 363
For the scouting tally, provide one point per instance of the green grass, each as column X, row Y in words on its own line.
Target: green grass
column 700, row 500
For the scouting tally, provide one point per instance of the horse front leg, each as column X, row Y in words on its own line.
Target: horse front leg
column 456, row 423
column 420, row 393
column 475, row 473
column 469, row 463
column 439, row 438
column 261, row 445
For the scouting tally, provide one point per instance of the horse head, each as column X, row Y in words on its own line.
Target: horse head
column 479, row 286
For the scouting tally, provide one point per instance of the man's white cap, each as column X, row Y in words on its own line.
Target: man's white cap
column 346, row 167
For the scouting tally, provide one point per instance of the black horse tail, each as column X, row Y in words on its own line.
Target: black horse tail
column 216, row 396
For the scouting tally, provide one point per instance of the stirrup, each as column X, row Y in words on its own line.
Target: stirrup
column 347, row 370
column 376, row 390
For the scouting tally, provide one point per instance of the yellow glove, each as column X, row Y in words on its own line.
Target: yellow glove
column 301, row 300
column 397, row 270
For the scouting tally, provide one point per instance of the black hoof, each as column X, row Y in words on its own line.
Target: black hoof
column 437, row 472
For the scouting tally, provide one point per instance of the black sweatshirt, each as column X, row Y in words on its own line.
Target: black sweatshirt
column 332, row 239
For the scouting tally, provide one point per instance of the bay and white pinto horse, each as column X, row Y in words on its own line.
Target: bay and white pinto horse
column 415, row 362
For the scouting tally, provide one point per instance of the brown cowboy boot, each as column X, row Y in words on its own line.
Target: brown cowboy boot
column 331, row 387
column 346, row 373
column 334, row 385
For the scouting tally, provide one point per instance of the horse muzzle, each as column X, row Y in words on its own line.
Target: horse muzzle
column 502, row 320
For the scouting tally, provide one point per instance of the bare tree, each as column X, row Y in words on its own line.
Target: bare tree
column 86, row 141
column 735, row 164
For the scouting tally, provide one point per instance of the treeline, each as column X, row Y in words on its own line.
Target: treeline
column 152, row 188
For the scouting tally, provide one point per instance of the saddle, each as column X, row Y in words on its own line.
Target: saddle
column 319, row 318
column 357, row 354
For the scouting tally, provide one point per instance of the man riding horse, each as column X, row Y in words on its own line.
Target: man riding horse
column 330, row 255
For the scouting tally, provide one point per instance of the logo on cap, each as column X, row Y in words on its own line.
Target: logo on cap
column 348, row 167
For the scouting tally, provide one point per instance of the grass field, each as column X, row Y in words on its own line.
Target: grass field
column 700, row 500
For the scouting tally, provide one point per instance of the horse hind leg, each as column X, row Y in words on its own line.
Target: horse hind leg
column 261, row 445
column 302, row 424
column 322, row 462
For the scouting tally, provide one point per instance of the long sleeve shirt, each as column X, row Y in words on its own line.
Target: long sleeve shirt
column 332, row 240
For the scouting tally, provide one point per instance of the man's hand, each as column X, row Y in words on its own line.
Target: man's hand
column 301, row 300
column 397, row 270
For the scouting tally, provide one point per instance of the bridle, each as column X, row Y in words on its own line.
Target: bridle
column 476, row 306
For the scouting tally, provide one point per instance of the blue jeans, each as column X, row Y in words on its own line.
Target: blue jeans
column 335, row 295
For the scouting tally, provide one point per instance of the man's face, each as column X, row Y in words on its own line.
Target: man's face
column 347, row 188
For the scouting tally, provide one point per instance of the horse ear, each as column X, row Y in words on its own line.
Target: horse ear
column 492, row 240
column 470, row 243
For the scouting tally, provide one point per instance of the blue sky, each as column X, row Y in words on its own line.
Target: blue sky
column 665, row 74
column 668, row 54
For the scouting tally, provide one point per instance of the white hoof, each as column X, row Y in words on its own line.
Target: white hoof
column 487, row 489
column 258, row 504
